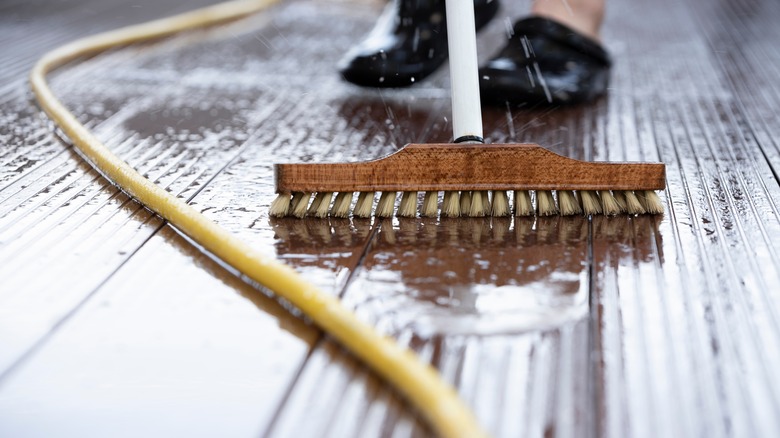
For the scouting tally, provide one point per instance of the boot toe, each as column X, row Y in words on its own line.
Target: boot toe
column 386, row 70
column 505, row 81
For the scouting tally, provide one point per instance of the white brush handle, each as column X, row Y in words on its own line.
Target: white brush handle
column 462, row 39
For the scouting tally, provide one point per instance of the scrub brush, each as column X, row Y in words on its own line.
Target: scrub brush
column 476, row 179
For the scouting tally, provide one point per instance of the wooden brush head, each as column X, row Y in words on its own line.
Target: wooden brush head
column 467, row 173
column 431, row 167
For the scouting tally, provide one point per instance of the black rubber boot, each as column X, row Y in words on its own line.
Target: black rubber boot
column 545, row 62
column 408, row 43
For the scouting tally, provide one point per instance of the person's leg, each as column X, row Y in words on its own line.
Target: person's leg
column 584, row 16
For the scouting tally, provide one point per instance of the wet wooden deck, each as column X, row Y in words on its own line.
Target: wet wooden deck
column 112, row 324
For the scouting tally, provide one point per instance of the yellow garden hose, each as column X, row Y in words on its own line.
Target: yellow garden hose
column 418, row 382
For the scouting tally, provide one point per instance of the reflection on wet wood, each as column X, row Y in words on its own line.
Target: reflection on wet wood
column 312, row 239
column 573, row 326
column 473, row 276
column 499, row 305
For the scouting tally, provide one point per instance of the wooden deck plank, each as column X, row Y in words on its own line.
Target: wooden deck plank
column 159, row 348
column 715, row 184
column 36, row 26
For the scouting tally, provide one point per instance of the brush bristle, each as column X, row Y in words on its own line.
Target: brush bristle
column 364, row 204
column 609, row 205
column 500, row 203
column 633, row 206
column 341, row 205
column 567, row 203
column 321, row 205
column 430, row 204
column 465, row 202
column 315, row 204
column 651, row 202
column 523, row 205
column 450, row 206
column 477, row 208
column 620, row 198
column 469, row 203
column 280, row 207
column 545, row 203
column 408, row 206
column 300, row 202
column 486, row 205
column 386, row 204
column 590, row 202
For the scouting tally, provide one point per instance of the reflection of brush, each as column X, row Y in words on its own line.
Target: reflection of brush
column 302, row 241
column 468, row 170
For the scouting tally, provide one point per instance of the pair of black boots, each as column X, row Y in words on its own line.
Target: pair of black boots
column 542, row 62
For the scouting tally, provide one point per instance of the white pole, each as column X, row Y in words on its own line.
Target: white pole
column 462, row 39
